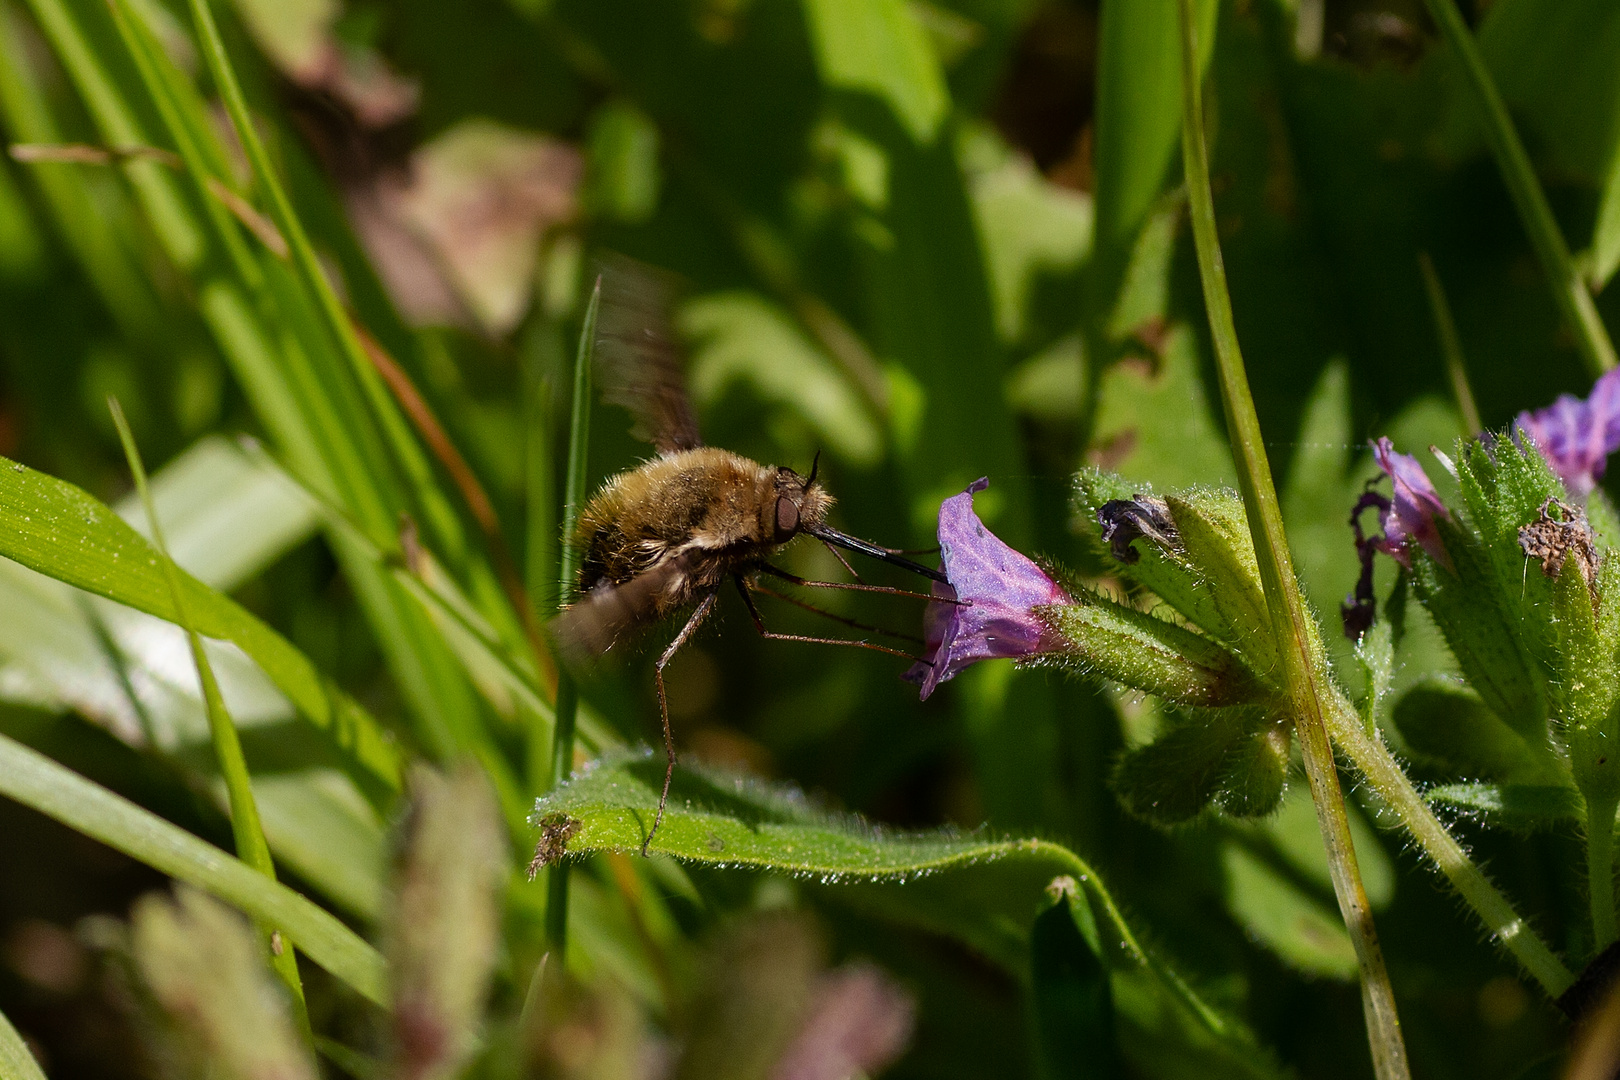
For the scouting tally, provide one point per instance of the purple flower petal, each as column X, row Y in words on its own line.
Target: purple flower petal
column 1408, row 515
column 1412, row 511
column 1577, row 436
column 998, row 589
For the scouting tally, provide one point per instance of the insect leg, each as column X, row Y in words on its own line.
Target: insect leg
column 777, row 572
column 839, row 555
column 769, row 635
column 703, row 609
column 796, row 602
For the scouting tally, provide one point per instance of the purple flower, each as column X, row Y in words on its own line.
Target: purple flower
column 1577, row 436
column 994, row 590
column 1411, row 513
column 1408, row 515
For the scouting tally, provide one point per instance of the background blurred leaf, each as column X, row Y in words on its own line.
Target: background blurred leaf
column 878, row 47
column 42, row 516
column 38, row 782
column 1074, row 1004
column 207, row 971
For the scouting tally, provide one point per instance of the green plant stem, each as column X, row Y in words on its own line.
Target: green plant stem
column 1450, row 347
column 1383, row 774
column 1303, row 674
column 61, row 794
column 1569, row 287
column 1600, row 869
column 246, row 828
column 562, row 743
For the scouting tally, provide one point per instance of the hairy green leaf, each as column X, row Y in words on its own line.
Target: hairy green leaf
column 984, row 891
column 1522, row 807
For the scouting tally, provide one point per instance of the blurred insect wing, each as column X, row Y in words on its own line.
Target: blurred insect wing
column 638, row 355
column 608, row 613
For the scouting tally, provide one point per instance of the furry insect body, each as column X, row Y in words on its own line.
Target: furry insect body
column 660, row 537
column 666, row 535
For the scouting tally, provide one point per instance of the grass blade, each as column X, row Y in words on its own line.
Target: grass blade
column 55, row 528
column 1568, row 285
column 407, row 452
column 16, row 1062
column 562, row 741
column 39, row 783
column 246, row 828
column 1450, row 347
column 1303, row 673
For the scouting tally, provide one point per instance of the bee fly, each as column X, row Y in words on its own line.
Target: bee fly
column 667, row 535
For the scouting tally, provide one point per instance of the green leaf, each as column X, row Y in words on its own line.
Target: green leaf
column 1138, row 114
column 16, row 1061
column 983, row 891
column 878, row 47
column 38, row 782
column 1074, row 1002
column 1522, row 807
column 624, row 173
column 1441, row 719
column 243, row 811
column 740, row 337
column 1030, row 226
column 1154, row 419
column 1302, row 930
column 1234, row 758
column 1553, row 61
column 58, row 530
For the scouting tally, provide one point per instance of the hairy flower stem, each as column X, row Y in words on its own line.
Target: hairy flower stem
column 1600, row 869
column 1371, row 758
column 1304, row 676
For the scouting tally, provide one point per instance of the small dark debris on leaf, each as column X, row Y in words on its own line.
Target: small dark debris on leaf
column 555, row 832
column 1124, row 520
column 1550, row 539
column 715, row 843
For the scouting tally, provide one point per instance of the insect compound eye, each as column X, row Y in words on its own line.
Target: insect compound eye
column 787, row 517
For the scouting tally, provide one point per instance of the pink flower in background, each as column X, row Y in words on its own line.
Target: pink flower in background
column 1577, row 435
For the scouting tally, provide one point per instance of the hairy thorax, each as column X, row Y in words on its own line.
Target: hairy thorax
column 704, row 502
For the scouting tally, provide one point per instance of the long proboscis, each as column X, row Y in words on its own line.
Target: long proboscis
column 851, row 543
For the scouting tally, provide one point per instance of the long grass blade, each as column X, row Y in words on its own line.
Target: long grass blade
column 1445, row 328
column 562, row 743
column 1289, row 619
column 61, row 794
column 246, row 828
column 1568, row 284
column 407, row 452
column 16, row 1062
